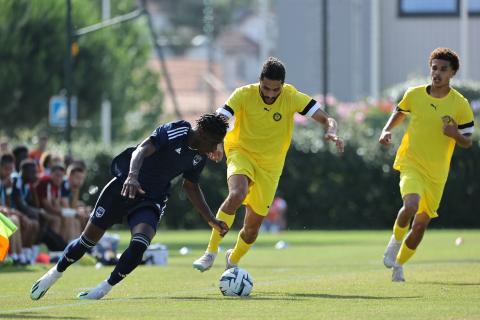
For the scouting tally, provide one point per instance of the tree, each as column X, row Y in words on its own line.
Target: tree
column 111, row 63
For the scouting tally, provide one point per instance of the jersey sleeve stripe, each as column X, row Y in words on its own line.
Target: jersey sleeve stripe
column 466, row 131
column 177, row 129
column 465, row 125
column 226, row 111
column 177, row 135
column 308, row 107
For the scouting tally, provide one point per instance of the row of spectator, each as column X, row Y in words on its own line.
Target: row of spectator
column 40, row 193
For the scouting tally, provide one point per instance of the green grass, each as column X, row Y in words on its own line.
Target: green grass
column 320, row 275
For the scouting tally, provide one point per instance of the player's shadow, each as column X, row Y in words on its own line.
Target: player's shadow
column 449, row 283
column 254, row 297
column 31, row 315
column 346, row 297
column 295, row 296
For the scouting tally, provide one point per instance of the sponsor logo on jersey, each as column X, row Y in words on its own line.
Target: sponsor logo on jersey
column 99, row 212
column 197, row 159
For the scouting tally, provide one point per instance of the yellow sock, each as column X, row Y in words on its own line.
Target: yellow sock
column 241, row 248
column 404, row 254
column 399, row 232
column 215, row 237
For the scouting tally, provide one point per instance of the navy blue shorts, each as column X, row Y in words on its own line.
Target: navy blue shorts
column 112, row 208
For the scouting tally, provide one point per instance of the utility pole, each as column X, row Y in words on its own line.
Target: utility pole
column 208, row 28
column 71, row 46
column 325, row 52
column 68, row 77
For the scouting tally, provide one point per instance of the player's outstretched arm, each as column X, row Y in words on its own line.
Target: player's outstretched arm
column 131, row 185
column 331, row 128
column 195, row 194
column 395, row 119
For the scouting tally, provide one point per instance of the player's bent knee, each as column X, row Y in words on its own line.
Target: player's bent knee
column 411, row 208
column 237, row 196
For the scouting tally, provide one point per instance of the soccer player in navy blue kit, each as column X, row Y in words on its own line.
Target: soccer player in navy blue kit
column 138, row 193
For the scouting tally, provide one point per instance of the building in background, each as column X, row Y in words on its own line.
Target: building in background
column 373, row 44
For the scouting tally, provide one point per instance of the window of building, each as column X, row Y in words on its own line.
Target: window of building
column 409, row 8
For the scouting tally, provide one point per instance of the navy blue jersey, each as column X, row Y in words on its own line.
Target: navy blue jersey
column 171, row 158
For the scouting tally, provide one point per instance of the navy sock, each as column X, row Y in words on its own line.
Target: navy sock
column 130, row 258
column 74, row 251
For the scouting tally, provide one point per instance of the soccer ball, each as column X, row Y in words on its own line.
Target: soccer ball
column 236, row 282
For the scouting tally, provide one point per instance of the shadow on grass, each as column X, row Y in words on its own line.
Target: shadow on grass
column 448, row 261
column 449, row 283
column 30, row 315
column 15, row 269
column 296, row 296
column 347, row 297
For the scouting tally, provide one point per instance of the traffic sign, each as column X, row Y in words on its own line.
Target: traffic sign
column 58, row 111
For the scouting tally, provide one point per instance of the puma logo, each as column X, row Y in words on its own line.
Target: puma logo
column 433, row 106
column 266, row 109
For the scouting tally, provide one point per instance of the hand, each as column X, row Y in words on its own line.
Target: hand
column 339, row 144
column 450, row 128
column 220, row 226
column 216, row 155
column 385, row 138
column 130, row 187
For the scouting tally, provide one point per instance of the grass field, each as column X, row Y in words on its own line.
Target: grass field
column 320, row 275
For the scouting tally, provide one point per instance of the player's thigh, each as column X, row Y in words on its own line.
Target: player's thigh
column 262, row 191
column 239, row 163
column 144, row 220
column 431, row 199
column 411, row 182
column 110, row 206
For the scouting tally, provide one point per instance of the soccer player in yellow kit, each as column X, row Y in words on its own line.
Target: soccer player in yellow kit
column 440, row 118
column 262, row 118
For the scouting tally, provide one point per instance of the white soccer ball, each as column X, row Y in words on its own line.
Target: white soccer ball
column 236, row 282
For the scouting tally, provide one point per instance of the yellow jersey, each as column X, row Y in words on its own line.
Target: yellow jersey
column 424, row 146
column 265, row 131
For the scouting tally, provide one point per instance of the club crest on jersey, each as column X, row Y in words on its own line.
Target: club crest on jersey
column 99, row 212
column 197, row 159
column 277, row 116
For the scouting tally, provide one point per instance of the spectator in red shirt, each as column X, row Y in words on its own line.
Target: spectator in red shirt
column 49, row 196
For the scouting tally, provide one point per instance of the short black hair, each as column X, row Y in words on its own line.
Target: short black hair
column 446, row 54
column 27, row 163
column 214, row 125
column 7, row 158
column 273, row 69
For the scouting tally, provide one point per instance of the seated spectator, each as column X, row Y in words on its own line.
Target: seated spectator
column 71, row 186
column 36, row 154
column 49, row 196
column 4, row 145
column 7, row 163
column 24, row 199
column 47, row 161
column 20, row 153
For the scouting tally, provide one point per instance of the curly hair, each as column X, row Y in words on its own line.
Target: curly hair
column 214, row 124
column 446, row 54
column 273, row 69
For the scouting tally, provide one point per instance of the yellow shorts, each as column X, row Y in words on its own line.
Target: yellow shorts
column 263, row 183
column 412, row 181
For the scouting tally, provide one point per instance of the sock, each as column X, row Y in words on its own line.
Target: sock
column 399, row 232
column 74, row 251
column 404, row 254
column 130, row 258
column 240, row 249
column 215, row 237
